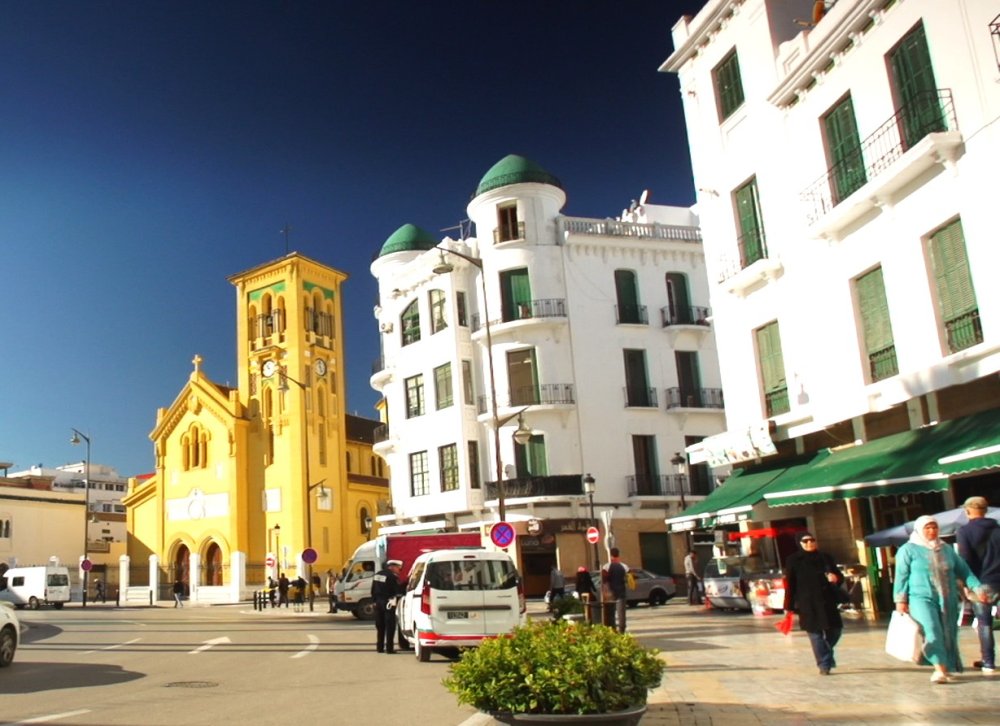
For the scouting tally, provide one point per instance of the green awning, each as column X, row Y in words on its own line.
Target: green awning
column 911, row 462
column 739, row 493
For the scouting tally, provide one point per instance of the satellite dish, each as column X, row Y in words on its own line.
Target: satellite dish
column 644, row 197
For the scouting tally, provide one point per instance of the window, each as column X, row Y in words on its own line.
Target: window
column 475, row 478
column 956, row 297
column 468, row 392
column 508, row 228
column 414, row 396
column 437, row 302
column 647, row 473
column 876, row 326
column 515, row 294
column 843, row 150
column 410, row 323
column 772, row 369
column 627, row 296
column 443, row 395
column 523, row 377
column 914, row 88
column 419, row 480
column 462, row 315
column 688, row 379
column 728, row 85
column 530, row 458
column 347, row 456
column 448, row 465
column 194, row 448
column 637, row 391
column 751, row 224
column 678, row 310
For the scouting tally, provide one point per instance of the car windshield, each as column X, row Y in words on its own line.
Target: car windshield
column 471, row 575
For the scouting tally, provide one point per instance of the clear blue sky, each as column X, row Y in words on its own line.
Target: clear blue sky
column 150, row 149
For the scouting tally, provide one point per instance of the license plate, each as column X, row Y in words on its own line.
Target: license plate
column 458, row 615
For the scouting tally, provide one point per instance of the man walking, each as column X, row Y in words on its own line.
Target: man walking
column 979, row 546
column 178, row 593
column 693, row 579
column 615, row 580
column 385, row 590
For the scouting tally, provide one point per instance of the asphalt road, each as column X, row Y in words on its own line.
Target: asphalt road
column 215, row 665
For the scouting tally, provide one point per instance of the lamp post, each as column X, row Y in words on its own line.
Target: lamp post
column 523, row 433
column 77, row 435
column 589, row 487
column 680, row 466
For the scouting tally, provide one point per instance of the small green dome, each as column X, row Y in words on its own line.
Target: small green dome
column 514, row 169
column 408, row 238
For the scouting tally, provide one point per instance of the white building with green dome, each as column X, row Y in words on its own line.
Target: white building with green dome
column 540, row 350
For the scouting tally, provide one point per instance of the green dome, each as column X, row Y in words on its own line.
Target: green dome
column 514, row 169
column 408, row 238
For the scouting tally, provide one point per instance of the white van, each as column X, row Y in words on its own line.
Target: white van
column 458, row 598
column 33, row 586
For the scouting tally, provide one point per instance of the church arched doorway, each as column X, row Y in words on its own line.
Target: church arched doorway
column 213, row 564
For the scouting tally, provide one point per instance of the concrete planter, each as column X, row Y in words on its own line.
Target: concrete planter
column 628, row 717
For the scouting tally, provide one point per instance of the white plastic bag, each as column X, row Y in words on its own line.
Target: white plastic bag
column 904, row 640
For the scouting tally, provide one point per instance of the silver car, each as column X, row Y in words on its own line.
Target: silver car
column 649, row 587
column 10, row 634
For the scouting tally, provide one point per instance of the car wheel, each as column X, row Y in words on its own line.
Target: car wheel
column 657, row 597
column 365, row 610
column 423, row 654
column 33, row 603
column 57, row 605
column 7, row 648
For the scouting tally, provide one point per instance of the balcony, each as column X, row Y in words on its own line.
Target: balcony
column 616, row 228
column 882, row 363
column 964, row 331
column 752, row 268
column 508, row 233
column 694, row 398
column 567, row 485
column 685, row 315
column 631, row 315
column 915, row 138
column 380, row 434
column 542, row 310
column 545, row 394
column 776, row 402
column 640, row 397
column 657, row 485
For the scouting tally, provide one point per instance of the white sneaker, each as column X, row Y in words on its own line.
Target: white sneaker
column 987, row 671
column 939, row 677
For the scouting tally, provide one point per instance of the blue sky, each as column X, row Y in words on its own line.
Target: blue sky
column 148, row 150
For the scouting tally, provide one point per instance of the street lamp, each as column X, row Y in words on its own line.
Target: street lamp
column 680, row 466
column 589, row 487
column 523, row 434
column 77, row 435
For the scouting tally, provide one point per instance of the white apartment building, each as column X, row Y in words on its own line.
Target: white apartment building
column 589, row 339
column 845, row 163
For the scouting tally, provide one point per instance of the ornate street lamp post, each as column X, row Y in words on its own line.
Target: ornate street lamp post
column 77, row 435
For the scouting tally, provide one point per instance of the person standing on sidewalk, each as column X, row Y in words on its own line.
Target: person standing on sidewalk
column 927, row 586
column 979, row 546
column 178, row 592
column 331, row 589
column 557, row 585
column 614, row 578
column 385, row 590
column 811, row 579
column 693, row 579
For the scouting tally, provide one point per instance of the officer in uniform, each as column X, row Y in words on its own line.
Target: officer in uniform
column 385, row 590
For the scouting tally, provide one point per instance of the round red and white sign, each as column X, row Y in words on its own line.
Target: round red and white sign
column 270, row 561
column 593, row 535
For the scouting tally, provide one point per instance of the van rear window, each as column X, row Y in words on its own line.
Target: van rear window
column 58, row 580
column 472, row 575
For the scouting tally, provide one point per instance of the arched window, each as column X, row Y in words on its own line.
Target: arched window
column 185, row 452
column 410, row 323
column 678, row 310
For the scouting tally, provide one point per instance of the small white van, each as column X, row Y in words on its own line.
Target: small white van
column 458, row 598
column 33, row 586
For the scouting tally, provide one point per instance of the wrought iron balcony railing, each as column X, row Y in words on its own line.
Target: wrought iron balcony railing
column 684, row 315
column 776, row 401
column 546, row 308
column 544, row 394
column 694, row 398
column 380, row 433
column 631, row 315
column 657, row 485
column 883, row 364
column 640, row 397
column 964, row 331
column 566, row 485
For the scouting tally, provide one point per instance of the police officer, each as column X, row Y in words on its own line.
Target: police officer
column 385, row 590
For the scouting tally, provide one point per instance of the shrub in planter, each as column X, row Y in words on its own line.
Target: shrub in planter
column 568, row 605
column 557, row 668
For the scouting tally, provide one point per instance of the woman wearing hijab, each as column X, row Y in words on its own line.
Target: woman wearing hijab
column 811, row 577
column 927, row 586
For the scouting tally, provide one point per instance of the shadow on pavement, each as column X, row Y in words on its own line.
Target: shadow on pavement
column 42, row 677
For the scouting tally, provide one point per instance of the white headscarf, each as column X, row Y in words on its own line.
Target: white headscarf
column 917, row 535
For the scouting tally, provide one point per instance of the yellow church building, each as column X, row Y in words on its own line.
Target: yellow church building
column 273, row 475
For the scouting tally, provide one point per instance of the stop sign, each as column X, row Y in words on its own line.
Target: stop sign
column 593, row 535
column 269, row 561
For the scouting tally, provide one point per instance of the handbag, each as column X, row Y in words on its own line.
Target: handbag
column 904, row 639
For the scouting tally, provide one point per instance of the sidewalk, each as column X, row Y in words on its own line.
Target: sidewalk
column 733, row 668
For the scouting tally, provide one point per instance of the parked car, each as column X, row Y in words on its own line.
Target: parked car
column 649, row 588
column 738, row 582
column 458, row 598
column 10, row 634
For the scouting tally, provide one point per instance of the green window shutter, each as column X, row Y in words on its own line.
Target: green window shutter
column 530, row 458
column 728, row 86
column 916, row 88
column 515, row 291
column 957, row 302
column 751, row 228
column 874, row 307
column 844, row 150
column 772, row 369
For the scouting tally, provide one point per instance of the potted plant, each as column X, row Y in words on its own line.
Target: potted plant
column 558, row 672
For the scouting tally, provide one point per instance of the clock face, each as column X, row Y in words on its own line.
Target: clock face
column 269, row 368
column 320, row 367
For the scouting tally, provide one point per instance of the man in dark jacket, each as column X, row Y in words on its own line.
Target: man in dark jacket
column 385, row 590
column 614, row 577
column 979, row 546
column 811, row 581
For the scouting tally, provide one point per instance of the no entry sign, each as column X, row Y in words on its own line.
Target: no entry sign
column 593, row 535
column 270, row 561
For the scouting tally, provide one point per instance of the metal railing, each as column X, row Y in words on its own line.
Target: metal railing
column 751, row 246
column 776, row 401
column 543, row 394
column 504, row 233
column 928, row 113
column 694, row 398
column 631, row 315
column 882, row 363
column 657, row 485
column 640, row 397
column 567, row 485
column 684, row 315
column 380, row 433
column 964, row 331
column 544, row 308
column 617, row 228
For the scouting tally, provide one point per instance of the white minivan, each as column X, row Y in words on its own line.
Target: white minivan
column 33, row 586
column 458, row 598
